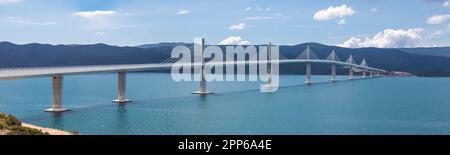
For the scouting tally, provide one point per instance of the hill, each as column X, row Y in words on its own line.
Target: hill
column 433, row 51
column 28, row 55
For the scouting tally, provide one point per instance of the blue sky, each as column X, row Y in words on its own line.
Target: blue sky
column 349, row 23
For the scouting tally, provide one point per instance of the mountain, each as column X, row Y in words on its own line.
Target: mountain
column 433, row 51
column 12, row 55
column 28, row 55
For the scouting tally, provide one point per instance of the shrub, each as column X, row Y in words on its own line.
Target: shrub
column 12, row 121
column 18, row 130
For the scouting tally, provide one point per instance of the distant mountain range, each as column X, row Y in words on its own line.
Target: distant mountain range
column 419, row 61
column 433, row 51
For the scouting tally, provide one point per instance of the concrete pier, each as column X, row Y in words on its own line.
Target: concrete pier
column 122, row 88
column 57, row 95
column 308, row 74
column 269, row 87
column 333, row 73
column 350, row 73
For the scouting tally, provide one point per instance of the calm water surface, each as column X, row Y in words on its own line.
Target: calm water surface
column 161, row 106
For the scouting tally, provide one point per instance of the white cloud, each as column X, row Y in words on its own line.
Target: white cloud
column 334, row 13
column 446, row 4
column 183, row 12
column 234, row 40
column 28, row 22
column 389, row 38
column 239, row 27
column 99, row 19
column 438, row 19
column 342, row 22
column 94, row 14
column 258, row 8
column 10, row 1
column 373, row 10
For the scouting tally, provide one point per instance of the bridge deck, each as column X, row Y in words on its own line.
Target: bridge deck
column 35, row 72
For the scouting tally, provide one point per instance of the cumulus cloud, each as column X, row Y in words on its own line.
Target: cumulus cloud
column 183, row 12
column 446, row 4
column 248, row 8
column 94, row 14
column 239, row 27
column 388, row 38
column 334, row 13
column 2, row 2
column 234, row 40
column 438, row 19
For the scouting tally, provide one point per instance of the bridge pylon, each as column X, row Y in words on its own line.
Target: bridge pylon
column 333, row 57
column 202, row 90
column 364, row 64
column 350, row 60
column 57, row 82
column 308, row 54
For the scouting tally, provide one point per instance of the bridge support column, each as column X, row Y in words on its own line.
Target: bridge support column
column 203, row 90
column 308, row 74
column 57, row 95
column 350, row 73
column 122, row 88
column 269, row 88
column 333, row 73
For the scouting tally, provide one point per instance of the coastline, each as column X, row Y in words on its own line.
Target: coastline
column 51, row 131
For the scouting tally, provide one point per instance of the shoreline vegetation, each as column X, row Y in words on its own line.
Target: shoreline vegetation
column 10, row 125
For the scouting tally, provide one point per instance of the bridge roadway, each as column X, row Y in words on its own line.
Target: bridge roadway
column 37, row 72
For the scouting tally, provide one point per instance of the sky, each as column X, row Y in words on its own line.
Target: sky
column 347, row 23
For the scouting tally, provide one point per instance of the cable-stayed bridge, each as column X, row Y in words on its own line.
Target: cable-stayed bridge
column 57, row 73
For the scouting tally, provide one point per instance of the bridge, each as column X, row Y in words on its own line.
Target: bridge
column 57, row 73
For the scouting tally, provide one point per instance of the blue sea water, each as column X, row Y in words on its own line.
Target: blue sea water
column 163, row 107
